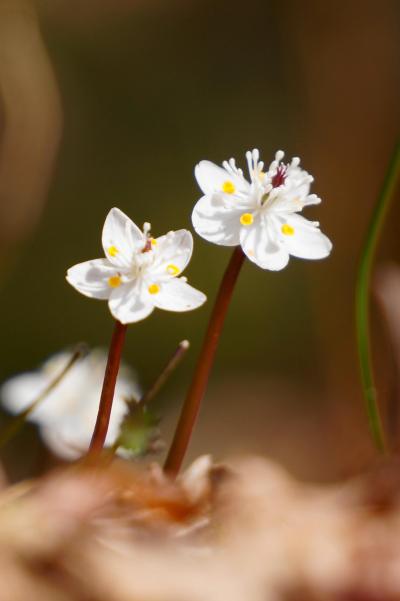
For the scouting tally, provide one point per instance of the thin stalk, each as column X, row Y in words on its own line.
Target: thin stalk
column 363, row 301
column 169, row 367
column 205, row 361
column 18, row 421
column 172, row 363
column 107, row 393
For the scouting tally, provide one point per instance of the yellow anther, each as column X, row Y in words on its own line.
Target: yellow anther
column 153, row 241
column 114, row 281
column 113, row 251
column 173, row 269
column 287, row 229
column 261, row 175
column 153, row 288
column 228, row 187
column 246, row 219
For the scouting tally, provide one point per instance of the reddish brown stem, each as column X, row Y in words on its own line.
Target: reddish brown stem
column 205, row 361
column 107, row 393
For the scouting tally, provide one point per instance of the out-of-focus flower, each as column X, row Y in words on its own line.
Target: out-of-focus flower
column 67, row 415
column 139, row 272
column 261, row 215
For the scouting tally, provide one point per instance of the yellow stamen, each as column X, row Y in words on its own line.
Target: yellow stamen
column 173, row 269
column 153, row 241
column 228, row 187
column 114, row 281
column 113, row 251
column 246, row 219
column 287, row 229
column 153, row 288
column 261, row 175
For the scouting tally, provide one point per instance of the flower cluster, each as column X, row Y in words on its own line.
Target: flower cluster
column 140, row 273
column 260, row 214
column 66, row 416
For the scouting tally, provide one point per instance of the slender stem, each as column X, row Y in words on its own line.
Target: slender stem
column 172, row 363
column 107, row 393
column 197, row 388
column 19, row 419
column 169, row 367
column 363, row 301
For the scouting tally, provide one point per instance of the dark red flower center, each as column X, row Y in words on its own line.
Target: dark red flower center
column 147, row 246
column 279, row 177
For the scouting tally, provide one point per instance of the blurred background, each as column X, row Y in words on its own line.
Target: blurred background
column 111, row 103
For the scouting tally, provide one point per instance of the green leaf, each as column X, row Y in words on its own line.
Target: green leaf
column 139, row 432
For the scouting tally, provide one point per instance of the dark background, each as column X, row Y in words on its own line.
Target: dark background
column 112, row 103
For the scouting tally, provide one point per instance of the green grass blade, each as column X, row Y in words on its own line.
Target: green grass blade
column 363, row 300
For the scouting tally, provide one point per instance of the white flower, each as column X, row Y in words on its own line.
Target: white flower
column 261, row 215
column 139, row 272
column 66, row 417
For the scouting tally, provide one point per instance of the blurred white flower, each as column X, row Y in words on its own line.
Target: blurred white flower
column 67, row 415
column 139, row 272
column 261, row 215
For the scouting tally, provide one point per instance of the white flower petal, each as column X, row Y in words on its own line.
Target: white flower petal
column 297, row 182
column 177, row 295
column 173, row 250
column 216, row 223
column 121, row 238
column 91, row 278
column 67, row 416
column 64, row 440
column 69, row 437
column 20, row 391
column 261, row 246
column 211, row 179
column 130, row 302
column 311, row 199
column 307, row 241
